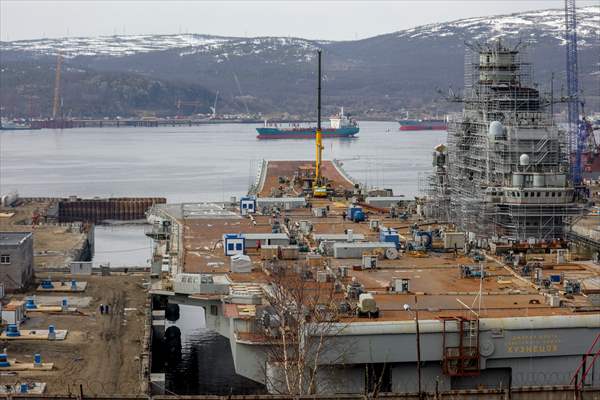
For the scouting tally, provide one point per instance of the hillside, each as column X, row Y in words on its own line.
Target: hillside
column 379, row 76
column 27, row 89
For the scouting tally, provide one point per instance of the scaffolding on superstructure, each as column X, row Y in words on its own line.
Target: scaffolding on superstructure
column 507, row 160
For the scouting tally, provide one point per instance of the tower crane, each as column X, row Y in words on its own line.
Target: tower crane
column 56, row 102
column 578, row 128
column 213, row 109
column 318, row 186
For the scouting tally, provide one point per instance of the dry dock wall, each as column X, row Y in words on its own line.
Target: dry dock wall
column 97, row 210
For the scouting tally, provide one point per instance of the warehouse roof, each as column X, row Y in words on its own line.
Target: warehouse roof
column 13, row 238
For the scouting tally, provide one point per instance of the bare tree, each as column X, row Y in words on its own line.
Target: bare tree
column 301, row 322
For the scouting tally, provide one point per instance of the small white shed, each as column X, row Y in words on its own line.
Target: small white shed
column 240, row 263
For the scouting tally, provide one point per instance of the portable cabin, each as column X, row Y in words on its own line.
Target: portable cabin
column 247, row 205
column 233, row 244
column 251, row 240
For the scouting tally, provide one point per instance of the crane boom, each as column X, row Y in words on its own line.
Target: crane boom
column 319, row 189
column 56, row 102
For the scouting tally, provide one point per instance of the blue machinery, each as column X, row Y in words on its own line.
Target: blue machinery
column 426, row 238
column 356, row 213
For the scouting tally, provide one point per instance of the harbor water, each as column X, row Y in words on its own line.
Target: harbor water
column 204, row 163
column 208, row 162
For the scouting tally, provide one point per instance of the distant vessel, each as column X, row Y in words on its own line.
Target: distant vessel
column 340, row 126
column 14, row 126
column 423, row 125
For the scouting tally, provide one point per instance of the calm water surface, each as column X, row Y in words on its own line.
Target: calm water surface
column 205, row 163
column 210, row 162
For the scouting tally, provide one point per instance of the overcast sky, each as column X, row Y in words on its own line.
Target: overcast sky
column 334, row 20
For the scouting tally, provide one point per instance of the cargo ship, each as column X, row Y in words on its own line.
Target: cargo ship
column 341, row 126
column 423, row 125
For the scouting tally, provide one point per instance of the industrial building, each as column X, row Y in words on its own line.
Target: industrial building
column 505, row 172
column 16, row 259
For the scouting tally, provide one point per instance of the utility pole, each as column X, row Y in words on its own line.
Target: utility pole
column 418, row 349
column 418, row 334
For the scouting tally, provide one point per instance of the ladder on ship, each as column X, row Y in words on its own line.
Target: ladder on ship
column 460, row 348
column 584, row 369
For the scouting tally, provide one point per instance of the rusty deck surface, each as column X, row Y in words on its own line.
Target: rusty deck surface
column 287, row 168
column 435, row 278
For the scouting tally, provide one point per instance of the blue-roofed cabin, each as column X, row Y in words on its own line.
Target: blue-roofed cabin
column 233, row 244
column 247, row 205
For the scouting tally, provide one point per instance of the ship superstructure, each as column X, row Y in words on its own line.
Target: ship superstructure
column 507, row 161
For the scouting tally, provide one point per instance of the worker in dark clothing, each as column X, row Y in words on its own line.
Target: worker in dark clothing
column 344, row 215
column 101, row 308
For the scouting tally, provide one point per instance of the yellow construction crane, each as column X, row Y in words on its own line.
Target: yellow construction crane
column 319, row 188
column 56, row 102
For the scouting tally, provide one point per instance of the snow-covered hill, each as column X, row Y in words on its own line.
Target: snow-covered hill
column 375, row 76
column 531, row 26
column 114, row 45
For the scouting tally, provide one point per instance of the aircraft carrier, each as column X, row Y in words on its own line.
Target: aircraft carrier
column 324, row 287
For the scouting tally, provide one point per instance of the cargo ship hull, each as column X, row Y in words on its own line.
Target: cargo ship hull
column 423, row 125
column 308, row 133
column 424, row 128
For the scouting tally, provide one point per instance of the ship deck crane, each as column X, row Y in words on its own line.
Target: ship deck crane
column 319, row 188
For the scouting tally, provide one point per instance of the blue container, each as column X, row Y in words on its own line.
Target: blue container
column 390, row 235
column 13, row 331
column 555, row 278
column 37, row 358
column 51, row 329
column 4, row 360
column 359, row 216
column 352, row 211
column 47, row 284
column 24, row 388
column 30, row 304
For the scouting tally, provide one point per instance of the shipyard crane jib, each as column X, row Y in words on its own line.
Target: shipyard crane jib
column 319, row 189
